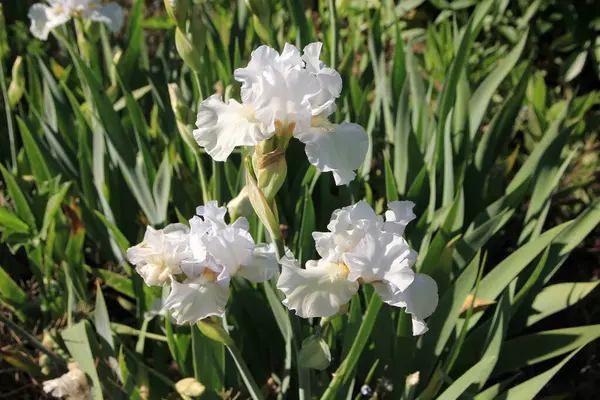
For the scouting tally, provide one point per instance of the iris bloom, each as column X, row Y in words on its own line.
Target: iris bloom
column 360, row 248
column 44, row 17
column 285, row 94
column 200, row 261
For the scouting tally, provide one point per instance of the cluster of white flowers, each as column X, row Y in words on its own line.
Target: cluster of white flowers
column 360, row 248
column 45, row 17
column 285, row 94
column 198, row 262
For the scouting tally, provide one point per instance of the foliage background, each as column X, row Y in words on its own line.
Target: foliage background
column 76, row 249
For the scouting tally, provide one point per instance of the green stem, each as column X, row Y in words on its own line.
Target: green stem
column 251, row 385
column 347, row 366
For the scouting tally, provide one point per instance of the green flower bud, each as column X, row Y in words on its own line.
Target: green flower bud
column 314, row 353
column 16, row 89
column 261, row 207
column 187, row 51
column 177, row 11
column 213, row 330
column 178, row 104
column 240, row 205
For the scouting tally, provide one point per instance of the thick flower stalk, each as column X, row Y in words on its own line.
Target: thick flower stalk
column 360, row 248
column 283, row 96
column 45, row 17
column 198, row 262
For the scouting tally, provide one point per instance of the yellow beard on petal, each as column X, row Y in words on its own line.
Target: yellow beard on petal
column 210, row 275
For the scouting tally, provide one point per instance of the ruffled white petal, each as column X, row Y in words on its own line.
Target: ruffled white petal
column 196, row 299
column 224, row 126
column 231, row 248
column 260, row 58
column 44, row 19
column 263, row 265
column 399, row 215
column 110, row 14
column 420, row 299
column 159, row 255
column 323, row 102
column 340, row 149
column 317, row 291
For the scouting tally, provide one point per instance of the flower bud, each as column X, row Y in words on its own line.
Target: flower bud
column 17, row 84
column 271, row 170
column 177, row 11
column 187, row 51
column 213, row 330
column 260, row 204
column 178, row 104
column 240, row 205
column 314, row 353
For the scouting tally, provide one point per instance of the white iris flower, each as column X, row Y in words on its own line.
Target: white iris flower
column 200, row 261
column 45, row 17
column 285, row 94
column 360, row 248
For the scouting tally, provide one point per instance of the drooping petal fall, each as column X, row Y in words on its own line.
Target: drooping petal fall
column 340, row 149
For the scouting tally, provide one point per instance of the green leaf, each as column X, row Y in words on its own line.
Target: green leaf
column 530, row 388
column 52, row 207
column 541, row 346
column 115, row 232
column 442, row 323
column 12, row 222
column 80, row 341
column 13, row 296
column 391, row 193
column 101, row 318
column 555, row 298
column 501, row 276
column 22, row 208
column 162, row 188
column 483, row 95
column 472, row 376
column 344, row 371
column 36, row 157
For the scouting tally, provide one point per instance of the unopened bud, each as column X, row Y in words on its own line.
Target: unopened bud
column 177, row 11
column 178, row 104
column 213, row 330
column 187, row 51
column 16, row 89
column 314, row 353
column 240, row 205
column 260, row 205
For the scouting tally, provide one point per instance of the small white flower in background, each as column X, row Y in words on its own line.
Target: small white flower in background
column 360, row 248
column 160, row 253
column 199, row 262
column 285, row 94
column 45, row 17
column 72, row 385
